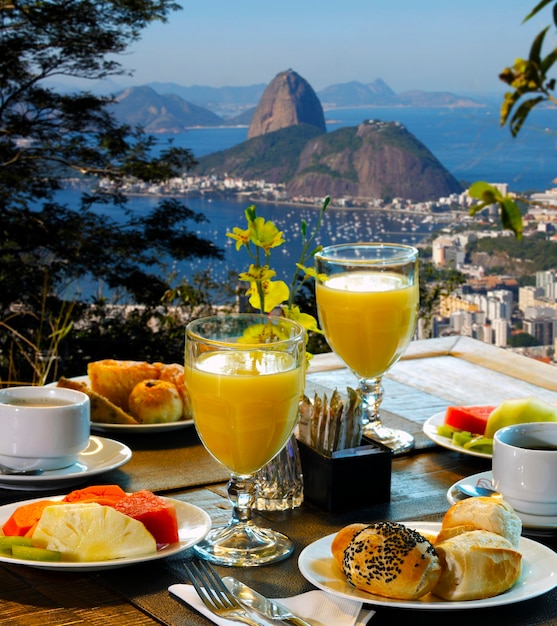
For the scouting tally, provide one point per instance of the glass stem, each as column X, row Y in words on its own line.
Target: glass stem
column 241, row 493
column 371, row 392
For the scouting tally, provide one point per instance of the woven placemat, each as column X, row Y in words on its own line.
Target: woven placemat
column 167, row 461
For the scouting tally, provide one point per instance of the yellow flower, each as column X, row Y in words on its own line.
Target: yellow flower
column 242, row 237
column 265, row 234
column 266, row 294
column 257, row 273
column 274, row 293
column 307, row 321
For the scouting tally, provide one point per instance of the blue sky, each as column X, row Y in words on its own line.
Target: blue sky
column 434, row 45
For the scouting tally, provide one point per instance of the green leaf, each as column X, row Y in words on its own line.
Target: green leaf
column 549, row 61
column 522, row 113
column 538, row 8
column 485, row 192
column 511, row 217
column 535, row 49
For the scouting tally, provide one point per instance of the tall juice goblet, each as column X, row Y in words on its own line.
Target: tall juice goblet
column 367, row 302
column 245, row 374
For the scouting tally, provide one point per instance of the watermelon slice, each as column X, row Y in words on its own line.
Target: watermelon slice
column 154, row 512
column 472, row 419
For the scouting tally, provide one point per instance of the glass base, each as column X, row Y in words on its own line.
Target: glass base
column 398, row 441
column 244, row 545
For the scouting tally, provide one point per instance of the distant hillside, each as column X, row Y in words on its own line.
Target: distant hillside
column 272, row 157
column 232, row 101
column 373, row 160
column 207, row 97
column 158, row 113
column 378, row 93
column 357, row 94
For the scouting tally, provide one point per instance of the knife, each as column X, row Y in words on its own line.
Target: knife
column 269, row 608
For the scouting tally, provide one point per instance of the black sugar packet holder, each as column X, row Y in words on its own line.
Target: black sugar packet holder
column 335, row 483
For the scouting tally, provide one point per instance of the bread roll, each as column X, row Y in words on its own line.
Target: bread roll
column 155, row 401
column 174, row 373
column 493, row 514
column 115, row 379
column 387, row 559
column 476, row 564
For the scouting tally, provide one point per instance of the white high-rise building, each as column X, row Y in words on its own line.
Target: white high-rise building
column 548, row 282
column 500, row 332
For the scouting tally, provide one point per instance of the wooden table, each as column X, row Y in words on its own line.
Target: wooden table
column 432, row 375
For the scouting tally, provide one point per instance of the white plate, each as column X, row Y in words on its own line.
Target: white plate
column 430, row 430
column 193, row 525
column 484, row 479
column 132, row 428
column 539, row 575
column 101, row 455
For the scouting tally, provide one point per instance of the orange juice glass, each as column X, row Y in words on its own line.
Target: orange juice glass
column 245, row 405
column 367, row 303
column 245, row 375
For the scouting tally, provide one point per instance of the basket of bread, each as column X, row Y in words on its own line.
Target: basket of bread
column 474, row 556
column 134, row 392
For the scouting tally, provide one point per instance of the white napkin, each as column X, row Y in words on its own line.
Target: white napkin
column 317, row 607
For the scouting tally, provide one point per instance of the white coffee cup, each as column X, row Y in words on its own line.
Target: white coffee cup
column 525, row 467
column 43, row 427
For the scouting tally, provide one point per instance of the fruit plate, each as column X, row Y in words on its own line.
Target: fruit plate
column 430, row 430
column 132, row 428
column 193, row 525
column 539, row 575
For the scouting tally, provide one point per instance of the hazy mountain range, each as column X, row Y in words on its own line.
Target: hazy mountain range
column 171, row 108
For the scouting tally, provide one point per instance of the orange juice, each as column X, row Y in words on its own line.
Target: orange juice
column 368, row 318
column 245, row 404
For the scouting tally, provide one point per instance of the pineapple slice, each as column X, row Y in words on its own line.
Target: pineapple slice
column 92, row 532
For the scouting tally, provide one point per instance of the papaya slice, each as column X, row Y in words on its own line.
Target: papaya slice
column 106, row 495
column 25, row 518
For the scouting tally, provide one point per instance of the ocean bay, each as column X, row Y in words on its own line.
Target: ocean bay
column 338, row 226
column 469, row 142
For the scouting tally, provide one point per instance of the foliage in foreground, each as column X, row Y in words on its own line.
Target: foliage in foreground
column 531, row 86
column 48, row 137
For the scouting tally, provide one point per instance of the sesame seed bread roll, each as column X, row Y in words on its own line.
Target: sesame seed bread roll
column 493, row 514
column 387, row 559
column 475, row 565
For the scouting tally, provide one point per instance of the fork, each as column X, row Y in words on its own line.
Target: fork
column 215, row 594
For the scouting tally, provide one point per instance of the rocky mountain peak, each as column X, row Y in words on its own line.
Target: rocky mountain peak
column 288, row 100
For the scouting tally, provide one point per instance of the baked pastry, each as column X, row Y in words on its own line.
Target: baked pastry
column 174, row 373
column 102, row 410
column 493, row 514
column 156, row 401
column 476, row 564
column 115, row 379
column 387, row 559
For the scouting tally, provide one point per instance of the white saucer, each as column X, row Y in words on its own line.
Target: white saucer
column 101, row 455
column 484, row 479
